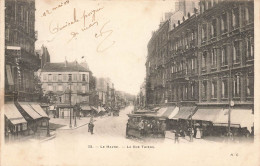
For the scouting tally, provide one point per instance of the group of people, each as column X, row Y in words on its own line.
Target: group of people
column 148, row 127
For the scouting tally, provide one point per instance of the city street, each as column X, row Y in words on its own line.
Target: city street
column 78, row 147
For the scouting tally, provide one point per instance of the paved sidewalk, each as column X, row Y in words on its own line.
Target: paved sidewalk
column 64, row 124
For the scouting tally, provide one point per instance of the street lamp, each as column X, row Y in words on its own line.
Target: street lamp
column 75, row 110
column 70, row 98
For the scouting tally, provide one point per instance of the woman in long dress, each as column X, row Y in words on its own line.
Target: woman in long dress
column 198, row 133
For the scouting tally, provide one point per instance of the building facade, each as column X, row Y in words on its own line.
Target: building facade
column 68, row 82
column 21, row 98
column 20, row 59
column 206, row 60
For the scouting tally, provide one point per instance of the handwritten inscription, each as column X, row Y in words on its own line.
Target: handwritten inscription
column 60, row 5
column 100, row 47
column 88, row 20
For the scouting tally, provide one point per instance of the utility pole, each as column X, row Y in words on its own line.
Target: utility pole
column 229, row 102
column 70, row 101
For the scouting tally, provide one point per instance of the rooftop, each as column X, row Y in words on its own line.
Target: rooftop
column 64, row 67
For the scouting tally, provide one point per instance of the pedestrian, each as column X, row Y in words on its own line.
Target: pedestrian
column 198, row 133
column 91, row 128
column 191, row 130
column 176, row 138
column 141, row 127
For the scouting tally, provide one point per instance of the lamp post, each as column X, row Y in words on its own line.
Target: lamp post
column 70, row 100
column 75, row 110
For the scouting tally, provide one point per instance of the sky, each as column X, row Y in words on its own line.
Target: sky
column 111, row 36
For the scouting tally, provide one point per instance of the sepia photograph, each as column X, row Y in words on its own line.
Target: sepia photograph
column 134, row 83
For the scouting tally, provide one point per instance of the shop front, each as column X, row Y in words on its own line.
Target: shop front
column 15, row 124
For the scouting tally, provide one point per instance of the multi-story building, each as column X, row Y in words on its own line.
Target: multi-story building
column 20, row 59
column 20, row 64
column 209, row 62
column 155, row 65
column 69, row 82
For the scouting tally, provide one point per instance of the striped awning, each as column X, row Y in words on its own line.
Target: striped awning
column 38, row 109
column 207, row 114
column 167, row 112
column 13, row 114
column 29, row 110
column 185, row 112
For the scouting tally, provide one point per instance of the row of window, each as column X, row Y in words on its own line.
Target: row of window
column 236, row 54
column 61, row 88
column 74, row 99
column 216, row 28
column 235, row 87
column 65, row 77
column 184, row 93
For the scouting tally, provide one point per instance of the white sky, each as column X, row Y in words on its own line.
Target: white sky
column 132, row 23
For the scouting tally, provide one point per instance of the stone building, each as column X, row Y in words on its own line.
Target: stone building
column 20, row 64
column 206, row 62
column 68, row 82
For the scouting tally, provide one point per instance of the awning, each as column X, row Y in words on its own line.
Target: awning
column 39, row 109
column 29, row 110
column 238, row 117
column 207, row 114
column 13, row 114
column 167, row 112
column 185, row 112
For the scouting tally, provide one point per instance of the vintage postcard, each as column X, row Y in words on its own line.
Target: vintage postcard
column 131, row 83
